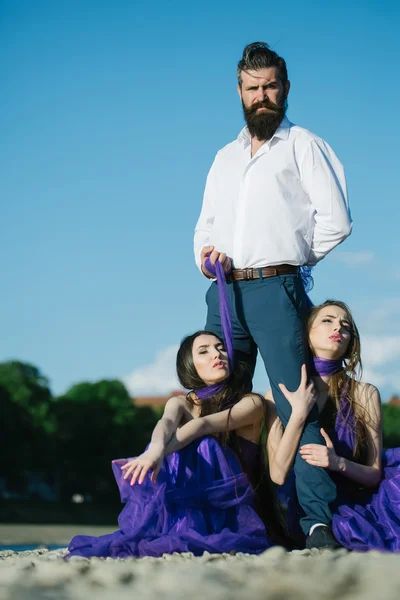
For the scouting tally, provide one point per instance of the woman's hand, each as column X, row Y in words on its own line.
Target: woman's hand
column 321, row 456
column 139, row 467
column 303, row 399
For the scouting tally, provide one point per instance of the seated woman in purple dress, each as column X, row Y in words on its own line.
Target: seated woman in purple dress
column 367, row 511
column 201, row 484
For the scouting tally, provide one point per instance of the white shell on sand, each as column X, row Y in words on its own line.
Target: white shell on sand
column 274, row 575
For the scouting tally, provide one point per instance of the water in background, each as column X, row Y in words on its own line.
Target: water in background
column 23, row 547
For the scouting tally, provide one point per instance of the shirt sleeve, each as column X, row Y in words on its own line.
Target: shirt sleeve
column 324, row 181
column 203, row 229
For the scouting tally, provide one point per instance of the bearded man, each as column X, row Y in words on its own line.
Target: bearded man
column 275, row 201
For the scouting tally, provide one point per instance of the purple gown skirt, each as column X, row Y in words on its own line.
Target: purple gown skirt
column 372, row 521
column 202, row 501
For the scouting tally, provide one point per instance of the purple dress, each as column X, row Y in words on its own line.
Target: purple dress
column 362, row 518
column 202, row 501
column 366, row 518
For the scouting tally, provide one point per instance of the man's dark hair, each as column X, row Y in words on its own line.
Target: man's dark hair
column 259, row 56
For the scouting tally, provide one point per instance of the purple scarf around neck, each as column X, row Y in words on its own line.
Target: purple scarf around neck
column 226, row 324
column 327, row 366
column 345, row 426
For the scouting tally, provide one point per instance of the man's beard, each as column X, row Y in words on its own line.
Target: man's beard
column 263, row 125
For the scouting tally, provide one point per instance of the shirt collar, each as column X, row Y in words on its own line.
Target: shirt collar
column 282, row 132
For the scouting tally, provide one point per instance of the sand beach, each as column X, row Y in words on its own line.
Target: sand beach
column 41, row 574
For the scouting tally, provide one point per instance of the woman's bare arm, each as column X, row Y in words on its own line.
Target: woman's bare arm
column 168, row 423
column 151, row 459
column 282, row 444
column 247, row 411
column 325, row 456
column 369, row 474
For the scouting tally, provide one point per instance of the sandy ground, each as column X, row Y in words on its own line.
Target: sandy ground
column 274, row 575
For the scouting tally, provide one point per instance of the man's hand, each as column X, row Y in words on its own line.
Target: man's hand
column 214, row 256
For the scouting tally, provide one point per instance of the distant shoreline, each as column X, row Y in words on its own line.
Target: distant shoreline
column 48, row 534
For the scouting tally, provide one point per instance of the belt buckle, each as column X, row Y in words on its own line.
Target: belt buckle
column 247, row 274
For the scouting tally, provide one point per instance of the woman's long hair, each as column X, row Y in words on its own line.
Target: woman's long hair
column 342, row 385
column 237, row 385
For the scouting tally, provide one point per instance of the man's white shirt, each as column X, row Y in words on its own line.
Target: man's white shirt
column 286, row 204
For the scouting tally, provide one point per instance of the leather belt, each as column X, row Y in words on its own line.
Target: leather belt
column 248, row 274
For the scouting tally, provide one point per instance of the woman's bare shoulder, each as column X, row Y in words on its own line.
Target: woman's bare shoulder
column 369, row 400
column 269, row 396
column 179, row 404
column 367, row 392
column 175, row 403
column 255, row 399
column 177, row 400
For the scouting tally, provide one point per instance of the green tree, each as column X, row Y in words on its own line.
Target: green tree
column 96, row 423
column 29, row 389
column 391, row 425
column 26, row 423
column 71, row 439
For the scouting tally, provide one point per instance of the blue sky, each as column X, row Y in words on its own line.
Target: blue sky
column 112, row 113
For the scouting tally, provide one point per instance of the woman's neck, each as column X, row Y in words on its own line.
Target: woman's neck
column 324, row 368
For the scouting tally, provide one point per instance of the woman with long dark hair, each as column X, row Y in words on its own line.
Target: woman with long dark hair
column 201, row 483
column 367, row 511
